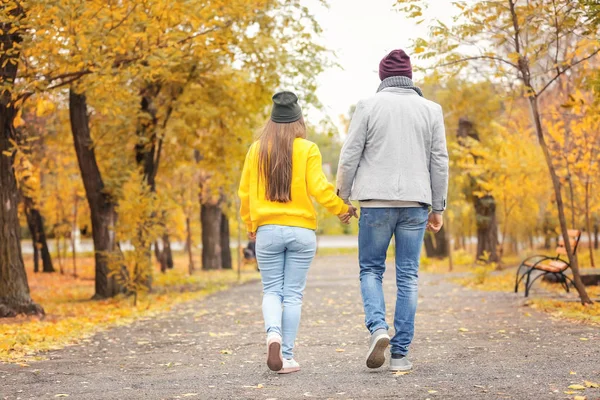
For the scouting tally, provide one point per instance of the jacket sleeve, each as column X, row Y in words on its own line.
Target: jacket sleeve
column 318, row 185
column 352, row 151
column 244, row 193
column 438, row 165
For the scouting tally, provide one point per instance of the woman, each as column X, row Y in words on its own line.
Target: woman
column 281, row 173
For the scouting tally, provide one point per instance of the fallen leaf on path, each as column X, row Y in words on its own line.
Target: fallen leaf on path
column 583, row 338
column 577, row 387
column 569, row 392
column 259, row 386
column 572, row 373
column 189, row 394
column 501, row 331
column 432, row 391
column 61, row 395
column 579, row 398
column 226, row 352
column 398, row 373
column 463, row 330
column 591, row 384
column 340, row 350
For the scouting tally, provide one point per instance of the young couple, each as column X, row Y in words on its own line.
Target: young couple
column 394, row 163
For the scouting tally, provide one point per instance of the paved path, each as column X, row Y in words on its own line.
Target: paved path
column 214, row 349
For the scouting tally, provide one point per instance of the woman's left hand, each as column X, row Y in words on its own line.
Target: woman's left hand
column 252, row 235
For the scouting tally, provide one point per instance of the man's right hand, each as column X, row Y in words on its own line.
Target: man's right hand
column 435, row 222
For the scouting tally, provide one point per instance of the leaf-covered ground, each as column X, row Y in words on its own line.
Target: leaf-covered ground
column 547, row 297
column 71, row 317
column 468, row 344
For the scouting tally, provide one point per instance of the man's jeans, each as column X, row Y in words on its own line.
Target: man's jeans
column 376, row 227
column 284, row 255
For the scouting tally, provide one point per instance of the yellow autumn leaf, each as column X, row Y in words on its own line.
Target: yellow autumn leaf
column 340, row 350
column 589, row 384
column 463, row 330
column 18, row 121
column 577, row 387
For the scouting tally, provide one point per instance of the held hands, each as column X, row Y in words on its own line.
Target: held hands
column 252, row 235
column 345, row 218
column 435, row 222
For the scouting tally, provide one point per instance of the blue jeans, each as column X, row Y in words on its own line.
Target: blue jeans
column 284, row 254
column 376, row 228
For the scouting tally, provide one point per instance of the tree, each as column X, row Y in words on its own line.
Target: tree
column 14, row 289
column 102, row 206
column 535, row 43
column 484, row 202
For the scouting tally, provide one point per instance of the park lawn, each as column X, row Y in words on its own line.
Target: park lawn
column 71, row 317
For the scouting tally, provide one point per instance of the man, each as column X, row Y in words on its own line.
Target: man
column 395, row 163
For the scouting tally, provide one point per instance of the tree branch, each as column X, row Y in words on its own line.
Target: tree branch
column 479, row 58
column 570, row 66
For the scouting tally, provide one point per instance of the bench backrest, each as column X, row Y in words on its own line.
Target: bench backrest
column 574, row 236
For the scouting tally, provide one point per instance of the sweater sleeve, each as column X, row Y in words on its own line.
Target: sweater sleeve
column 244, row 193
column 352, row 151
column 438, row 167
column 318, row 185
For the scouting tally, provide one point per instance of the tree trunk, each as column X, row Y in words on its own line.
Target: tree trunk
column 596, row 235
column 58, row 257
column 167, row 252
column 188, row 245
column 225, row 245
column 38, row 236
column 14, row 289
column 485, row 206
column 487, row 228
column 102, row 208
column 533, row 104
column 211, row 220
column 588, row 223
column 436, row 245
column 74, row 233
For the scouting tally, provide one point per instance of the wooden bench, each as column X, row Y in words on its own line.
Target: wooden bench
column 548, row 265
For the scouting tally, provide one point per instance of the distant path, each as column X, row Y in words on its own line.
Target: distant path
column 508, row 352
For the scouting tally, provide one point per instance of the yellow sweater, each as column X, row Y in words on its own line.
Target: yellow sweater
column 308, row 180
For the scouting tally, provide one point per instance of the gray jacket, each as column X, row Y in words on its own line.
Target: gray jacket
column 395, row 150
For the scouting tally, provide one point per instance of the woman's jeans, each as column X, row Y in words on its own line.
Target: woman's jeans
column 376, row 228
column 284, row 254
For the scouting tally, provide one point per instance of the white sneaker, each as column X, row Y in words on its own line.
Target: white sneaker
column 289, row 366
column 274, row 357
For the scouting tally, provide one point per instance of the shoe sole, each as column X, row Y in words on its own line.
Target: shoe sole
column 288, row 370
column 376, row 355
column 401, row 369
column 274, row 359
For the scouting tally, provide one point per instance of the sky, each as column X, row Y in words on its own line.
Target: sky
column 361, row 33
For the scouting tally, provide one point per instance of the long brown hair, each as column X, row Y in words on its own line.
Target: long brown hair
column 276, row 145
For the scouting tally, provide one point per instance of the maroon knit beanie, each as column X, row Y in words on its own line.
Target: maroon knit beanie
column 397, row 63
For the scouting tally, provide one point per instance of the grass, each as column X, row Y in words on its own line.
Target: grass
column 72, row 317
column 486, row 279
